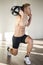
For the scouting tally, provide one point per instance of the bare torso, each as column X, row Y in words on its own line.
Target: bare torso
column 20, row 27
column 19, row 31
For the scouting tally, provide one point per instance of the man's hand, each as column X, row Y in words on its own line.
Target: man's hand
column 21, row 13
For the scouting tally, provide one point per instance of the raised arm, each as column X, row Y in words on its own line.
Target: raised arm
column 29, row 21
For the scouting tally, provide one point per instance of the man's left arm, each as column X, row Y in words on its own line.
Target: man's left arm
column 29, row 21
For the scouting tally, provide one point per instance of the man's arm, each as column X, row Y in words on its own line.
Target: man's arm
column 21, row 13
column 29, row 21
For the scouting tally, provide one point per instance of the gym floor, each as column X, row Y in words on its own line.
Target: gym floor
column 36, row 55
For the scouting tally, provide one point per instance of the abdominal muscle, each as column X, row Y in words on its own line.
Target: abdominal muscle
column 19, row 31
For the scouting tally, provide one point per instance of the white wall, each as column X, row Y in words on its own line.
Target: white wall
column 7, row 20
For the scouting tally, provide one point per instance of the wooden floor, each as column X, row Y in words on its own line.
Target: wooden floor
column 36, row 55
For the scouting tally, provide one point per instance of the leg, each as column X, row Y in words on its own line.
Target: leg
column 29, row 41
column 15, row 45
column 14, row 51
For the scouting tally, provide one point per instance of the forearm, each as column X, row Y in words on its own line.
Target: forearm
column 29, row 21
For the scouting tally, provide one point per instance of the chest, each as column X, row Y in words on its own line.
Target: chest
column 22, row 22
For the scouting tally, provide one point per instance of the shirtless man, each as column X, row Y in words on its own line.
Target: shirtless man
column 23, row 21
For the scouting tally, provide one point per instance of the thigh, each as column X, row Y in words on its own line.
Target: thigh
column 16, row 42
column 28, row 39
column 23, row 38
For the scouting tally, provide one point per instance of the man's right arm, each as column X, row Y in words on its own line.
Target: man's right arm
column 21, row 13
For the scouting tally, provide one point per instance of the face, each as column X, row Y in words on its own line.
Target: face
column 28, row 10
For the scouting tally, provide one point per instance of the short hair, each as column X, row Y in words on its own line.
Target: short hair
column 25, row 5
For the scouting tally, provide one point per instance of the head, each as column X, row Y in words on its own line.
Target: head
column 26, row 8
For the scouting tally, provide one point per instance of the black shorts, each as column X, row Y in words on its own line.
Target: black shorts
column 17, row 40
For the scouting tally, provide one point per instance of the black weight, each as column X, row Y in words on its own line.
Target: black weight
column 15, row 10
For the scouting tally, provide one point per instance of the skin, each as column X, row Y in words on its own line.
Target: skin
column 23, row 21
